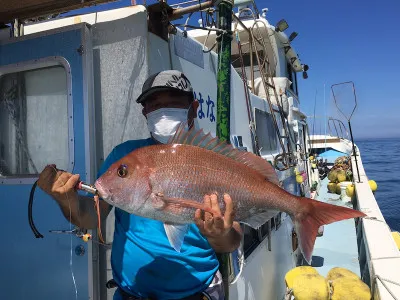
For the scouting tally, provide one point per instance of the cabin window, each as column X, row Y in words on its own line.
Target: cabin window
column 292, row 76
column 265, row 230
column 266, row 132
column 251, row 240
column 33, row 121
column 301, row 138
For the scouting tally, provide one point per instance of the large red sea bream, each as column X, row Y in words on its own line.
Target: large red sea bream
column 167, row 182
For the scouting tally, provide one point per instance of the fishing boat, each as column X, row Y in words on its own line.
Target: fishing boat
column 68, row 81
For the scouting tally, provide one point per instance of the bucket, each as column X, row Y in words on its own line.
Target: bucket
column 343, row 186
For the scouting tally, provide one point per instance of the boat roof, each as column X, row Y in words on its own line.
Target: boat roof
column 26, row 9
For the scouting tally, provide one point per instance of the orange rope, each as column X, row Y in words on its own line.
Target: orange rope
column 97, row 206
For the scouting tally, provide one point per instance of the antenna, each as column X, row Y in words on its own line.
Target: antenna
column 340, row 88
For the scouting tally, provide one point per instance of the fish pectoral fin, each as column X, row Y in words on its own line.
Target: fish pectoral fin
column 259, row 219
column 176, row 234
column 157, row 201
column 180, row 202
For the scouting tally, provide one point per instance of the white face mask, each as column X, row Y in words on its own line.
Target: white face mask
column 163, row 122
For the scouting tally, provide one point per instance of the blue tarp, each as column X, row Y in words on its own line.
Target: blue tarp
column 331, row 155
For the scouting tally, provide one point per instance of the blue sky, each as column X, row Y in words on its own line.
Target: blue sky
column 343, row 41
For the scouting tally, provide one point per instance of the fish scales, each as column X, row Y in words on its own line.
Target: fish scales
column 189, row 173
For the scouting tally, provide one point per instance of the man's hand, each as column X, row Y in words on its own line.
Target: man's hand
column 77, row 209
column 223, row 234
column 58, row 184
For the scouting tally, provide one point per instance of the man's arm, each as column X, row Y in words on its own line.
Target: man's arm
column 80, row 210
column 222, row 233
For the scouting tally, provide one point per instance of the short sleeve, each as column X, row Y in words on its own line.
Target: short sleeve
column 111, row 158
column 120, row 151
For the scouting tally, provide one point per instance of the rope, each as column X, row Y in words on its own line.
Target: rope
column 70, row 260
column 387, row 257
column 30, row 216
column 386, row 287
column 377, row 220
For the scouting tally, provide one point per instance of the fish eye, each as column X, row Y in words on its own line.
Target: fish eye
column 122, row 171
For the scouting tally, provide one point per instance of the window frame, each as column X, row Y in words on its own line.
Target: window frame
column 273, row 134
column 31, row 65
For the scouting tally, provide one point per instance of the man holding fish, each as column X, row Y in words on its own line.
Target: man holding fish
column 152, row 259
column 160, row 188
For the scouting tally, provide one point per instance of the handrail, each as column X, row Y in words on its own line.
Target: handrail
column 379, row 256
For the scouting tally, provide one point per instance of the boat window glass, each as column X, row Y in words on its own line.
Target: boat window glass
column 304, row 137
column 265, row 230
column 266, row 133
column 33, row 121
column 301, row 138
column 292, row 76
column 251, row 240
column 278, row 220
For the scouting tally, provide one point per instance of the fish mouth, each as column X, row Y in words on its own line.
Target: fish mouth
column 103, row 192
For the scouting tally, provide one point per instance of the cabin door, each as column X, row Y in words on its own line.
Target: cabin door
column 45, row 103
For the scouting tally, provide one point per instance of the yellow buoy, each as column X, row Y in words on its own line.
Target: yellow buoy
column 338, row 189
column 350, row 190
column 337, row 272
column 343, row 287
column 332, row 187
column 396, row 237
column 341, row 176
column 293, row 273
column 373, row 185
column 332, row 176
column 310, row 287
column 299, row 178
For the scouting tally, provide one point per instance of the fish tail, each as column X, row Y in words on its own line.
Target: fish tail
column 315, row 214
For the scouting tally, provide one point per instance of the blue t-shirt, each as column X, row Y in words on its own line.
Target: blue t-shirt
column 144, row 263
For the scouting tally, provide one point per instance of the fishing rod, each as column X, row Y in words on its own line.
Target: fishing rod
column 315, row 105
column 79, row 186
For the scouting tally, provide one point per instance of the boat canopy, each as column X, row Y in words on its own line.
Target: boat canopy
column 26, row 9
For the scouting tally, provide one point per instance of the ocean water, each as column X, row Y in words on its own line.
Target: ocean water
column 381, row 161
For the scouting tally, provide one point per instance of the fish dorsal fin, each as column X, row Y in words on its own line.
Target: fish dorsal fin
column 200, row 139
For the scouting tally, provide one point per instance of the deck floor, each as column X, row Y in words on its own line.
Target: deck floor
column 338, row 246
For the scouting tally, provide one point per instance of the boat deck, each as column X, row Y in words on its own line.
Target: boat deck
column 338, row 245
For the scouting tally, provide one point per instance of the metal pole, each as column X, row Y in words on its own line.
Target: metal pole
column 224, row 70
column 179, row 12
column 354, row 152
column 224, row 101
